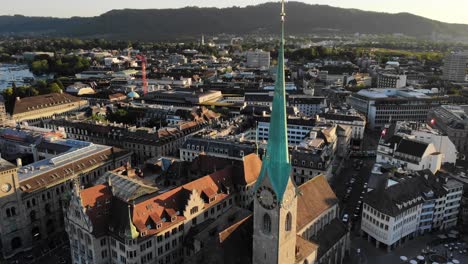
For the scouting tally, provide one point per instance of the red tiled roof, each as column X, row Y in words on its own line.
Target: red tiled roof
column 96, row 200
column 169, row 203
column 252, row 167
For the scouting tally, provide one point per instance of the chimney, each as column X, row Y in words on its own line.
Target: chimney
column 19, row 163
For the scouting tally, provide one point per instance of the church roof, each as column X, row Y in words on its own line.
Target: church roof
column 304, row 248
column 316, row 196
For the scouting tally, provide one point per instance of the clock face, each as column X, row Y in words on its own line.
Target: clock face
column 266, row 197
column 288, row 198
column 6, row 187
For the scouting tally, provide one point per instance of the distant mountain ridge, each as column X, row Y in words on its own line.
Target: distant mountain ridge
column 190, row 22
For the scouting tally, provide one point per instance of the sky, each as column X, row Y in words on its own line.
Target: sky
column 453, row 11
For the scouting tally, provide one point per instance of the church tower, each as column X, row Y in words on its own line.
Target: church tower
column 275, row 201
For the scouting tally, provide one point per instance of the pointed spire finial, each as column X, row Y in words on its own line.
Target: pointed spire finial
column 283, row 14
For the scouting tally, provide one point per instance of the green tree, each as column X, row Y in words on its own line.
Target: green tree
column 54, row 88
column 40, row 66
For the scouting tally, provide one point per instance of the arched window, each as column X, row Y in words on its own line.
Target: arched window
column 16, row 243
column 266, row 224
column 288, row 222
column 32, row 215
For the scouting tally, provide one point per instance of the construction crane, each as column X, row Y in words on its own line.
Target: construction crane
column 143, row 73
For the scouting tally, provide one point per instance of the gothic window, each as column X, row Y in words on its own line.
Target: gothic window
column 288, row 222
column 16, row 243
column 32, row 215
column 266, row 224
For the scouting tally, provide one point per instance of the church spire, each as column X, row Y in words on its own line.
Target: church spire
column 276, row 162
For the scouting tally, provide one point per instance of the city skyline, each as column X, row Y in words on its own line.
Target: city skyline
column 452, row 12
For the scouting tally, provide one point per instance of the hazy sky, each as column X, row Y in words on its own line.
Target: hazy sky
column 454, row 11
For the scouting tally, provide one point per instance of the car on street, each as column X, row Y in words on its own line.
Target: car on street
column 345, row 218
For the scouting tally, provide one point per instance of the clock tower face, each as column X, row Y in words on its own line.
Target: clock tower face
column 6, row 187
column 267, row 197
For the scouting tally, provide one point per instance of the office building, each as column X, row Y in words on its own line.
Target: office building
column 258, row 59
column 455, row 67
column 385, row 106
column 453, row 121
column 388, row 80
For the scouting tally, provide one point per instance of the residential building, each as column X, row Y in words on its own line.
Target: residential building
column 409, row 205
column 455, row 67
column 145, row 143
column 258, row 59
column 453, row 121
column 3, row 114
column 384, row 106
column 177, row 59
column 193, row 146
column 408, row 153
column 388, row 80
column 344, row 140
column 32, row 196
column 423, row 132
column 308, row 105
column 315, row 155
column 35, row 109
column 356, row 121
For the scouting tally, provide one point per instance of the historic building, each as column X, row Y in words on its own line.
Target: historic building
column 41, row 107
column 405, row 206
column 32, row 196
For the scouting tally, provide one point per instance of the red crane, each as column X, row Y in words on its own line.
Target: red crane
column 143, row 72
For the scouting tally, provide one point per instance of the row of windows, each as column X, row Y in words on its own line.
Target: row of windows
column 267, row 223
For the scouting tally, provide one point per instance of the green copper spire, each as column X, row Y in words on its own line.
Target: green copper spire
column 276, row 162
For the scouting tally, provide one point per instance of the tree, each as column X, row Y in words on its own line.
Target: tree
column 40, row 66
column 54, row 88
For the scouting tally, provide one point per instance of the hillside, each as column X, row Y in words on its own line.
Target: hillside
column 189, row 22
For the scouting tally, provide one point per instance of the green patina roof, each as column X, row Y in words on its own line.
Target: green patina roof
column 276, row 162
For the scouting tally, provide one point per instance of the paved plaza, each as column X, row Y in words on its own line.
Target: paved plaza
column 412, row 248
